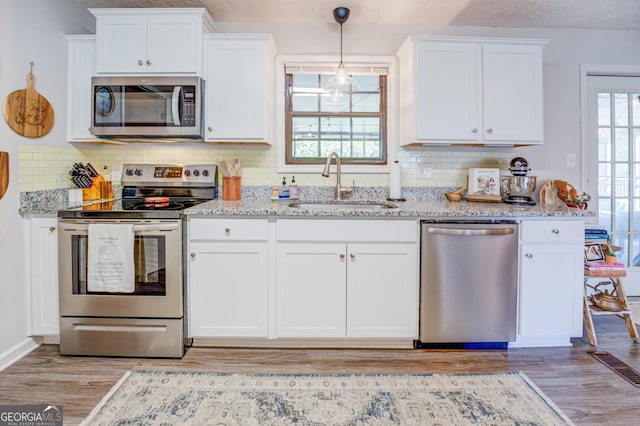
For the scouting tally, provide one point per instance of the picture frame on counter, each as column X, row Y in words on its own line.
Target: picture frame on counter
column 484, row 185
column 593, row 253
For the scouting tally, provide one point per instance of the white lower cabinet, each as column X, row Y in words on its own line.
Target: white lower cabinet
column 44, row 276
column 357, row 289
column 551, row 282
column 228, row 278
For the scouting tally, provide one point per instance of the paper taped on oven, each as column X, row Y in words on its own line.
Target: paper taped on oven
column 110, row 258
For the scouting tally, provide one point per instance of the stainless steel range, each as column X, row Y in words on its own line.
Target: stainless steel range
column 121, row 264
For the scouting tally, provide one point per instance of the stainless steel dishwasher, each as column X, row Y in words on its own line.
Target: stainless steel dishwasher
column 468, row 284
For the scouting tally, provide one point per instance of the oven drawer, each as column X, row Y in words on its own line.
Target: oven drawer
column 135, row 337
column 228, row 229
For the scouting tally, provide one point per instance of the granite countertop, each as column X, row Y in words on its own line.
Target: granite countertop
column 406, row 209
column 421, row 203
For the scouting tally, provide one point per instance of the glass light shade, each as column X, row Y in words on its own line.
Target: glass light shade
column 341, row 82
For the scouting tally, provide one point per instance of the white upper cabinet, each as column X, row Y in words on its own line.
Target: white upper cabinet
column 166, row 40
column 81, row 66
column 471, row 91
column 239, row 88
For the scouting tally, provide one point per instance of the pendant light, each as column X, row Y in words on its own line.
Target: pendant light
column 341, row 82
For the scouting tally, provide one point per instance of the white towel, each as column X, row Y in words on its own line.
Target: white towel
column 110, row 258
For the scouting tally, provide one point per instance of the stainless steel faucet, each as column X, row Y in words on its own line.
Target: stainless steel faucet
column 325, row 172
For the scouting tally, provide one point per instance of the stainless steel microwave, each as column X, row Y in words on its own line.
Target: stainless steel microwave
column 147, row 107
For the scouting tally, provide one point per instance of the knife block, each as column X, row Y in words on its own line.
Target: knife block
column 93, row 192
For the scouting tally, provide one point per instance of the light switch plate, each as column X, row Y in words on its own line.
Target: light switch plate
column 425, row 169
column 571, row 161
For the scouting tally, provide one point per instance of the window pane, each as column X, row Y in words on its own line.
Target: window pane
column 621, row 109
column 305, row 102
column 305, row 149
column 604, row 179
column 635, row 253
column 621, row 217
column 636, row 183
column 369, row 102
column 622, row 180
column 604, row 109
column 604, row 144
column 604, row 212
column 622, row 241
column 622, row 144
column 636, row 109
column 636, row 145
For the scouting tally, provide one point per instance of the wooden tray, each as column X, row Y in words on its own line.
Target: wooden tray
column 484, row 198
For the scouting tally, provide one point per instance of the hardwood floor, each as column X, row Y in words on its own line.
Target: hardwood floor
column 584, row 389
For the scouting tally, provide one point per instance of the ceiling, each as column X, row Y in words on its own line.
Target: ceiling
column 618, row 15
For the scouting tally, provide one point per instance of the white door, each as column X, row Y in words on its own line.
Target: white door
column 311, row 290
column 229, row 289
column 382, row 290
column 512, row 93
column 612, row 165
column 447, row 91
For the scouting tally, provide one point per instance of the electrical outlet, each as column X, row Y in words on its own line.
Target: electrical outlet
column 571, row 161
column 425, row 169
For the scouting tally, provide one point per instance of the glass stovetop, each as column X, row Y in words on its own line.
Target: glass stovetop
column 132, row 208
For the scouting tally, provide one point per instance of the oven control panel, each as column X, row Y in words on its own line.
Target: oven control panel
column 166, row 173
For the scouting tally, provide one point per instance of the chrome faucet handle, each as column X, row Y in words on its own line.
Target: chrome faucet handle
column 348, row 190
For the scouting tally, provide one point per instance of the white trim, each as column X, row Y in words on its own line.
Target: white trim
column 392, row 85
column 587, row 70
column 16, row 352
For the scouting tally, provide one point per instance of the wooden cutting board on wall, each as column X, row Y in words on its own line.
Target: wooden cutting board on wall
column 4, row 172
column 27, row 112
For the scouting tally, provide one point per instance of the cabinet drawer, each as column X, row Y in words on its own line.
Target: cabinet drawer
column 552, row 231
column 229, row 229
column 347, row 230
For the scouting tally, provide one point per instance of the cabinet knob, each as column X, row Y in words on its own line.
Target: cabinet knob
column 209, row 128
column 555, row 231
column 528, row 255
column 148, row 62
column 352, row 255
column 140, row 62
column 489, row 130
column 193, row 255
column 474, row 130
column 227, row 230
column 341, row 256
column 52, row 228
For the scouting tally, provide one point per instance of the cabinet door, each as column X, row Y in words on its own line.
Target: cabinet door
column 173, row 43
column 447, row 91
column 550, row 290
column 44, row 276
column 81, row 66
column 311, row 293
column 121, row 44
column 237, row 90
column 382, row 290
column 228, row 289
column 512, row 93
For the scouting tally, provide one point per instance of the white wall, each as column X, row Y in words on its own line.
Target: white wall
column 30, row 30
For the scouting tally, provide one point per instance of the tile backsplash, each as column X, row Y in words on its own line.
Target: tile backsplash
column 43, row 167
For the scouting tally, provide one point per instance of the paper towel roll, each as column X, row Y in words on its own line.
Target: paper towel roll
column 395, row 192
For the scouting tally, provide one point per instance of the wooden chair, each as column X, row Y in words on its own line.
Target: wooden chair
column 613, row 279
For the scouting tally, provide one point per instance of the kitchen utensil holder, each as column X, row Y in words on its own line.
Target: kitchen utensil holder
column 231, row 186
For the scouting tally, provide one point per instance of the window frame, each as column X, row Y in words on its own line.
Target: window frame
column 289, row 116
column 282, row 61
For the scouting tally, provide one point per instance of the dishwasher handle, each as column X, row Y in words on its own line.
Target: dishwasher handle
column 466, row 232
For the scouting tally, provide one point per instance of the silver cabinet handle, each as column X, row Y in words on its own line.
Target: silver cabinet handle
column 489, row 130
column 227, row 230
column 352, row 255
column 474, row 130
column 140, row 62
column 193, row 255
column 52, row 228
column 528, row 255
column 555, row 231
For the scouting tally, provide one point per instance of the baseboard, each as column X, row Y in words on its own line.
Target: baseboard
column 13, row 354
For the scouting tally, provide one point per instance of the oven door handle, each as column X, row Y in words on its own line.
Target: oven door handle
column 165, row 227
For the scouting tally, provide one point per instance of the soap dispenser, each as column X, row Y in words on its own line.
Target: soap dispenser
column 284, row 189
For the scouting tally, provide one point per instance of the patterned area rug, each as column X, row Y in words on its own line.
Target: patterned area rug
column 172, row 398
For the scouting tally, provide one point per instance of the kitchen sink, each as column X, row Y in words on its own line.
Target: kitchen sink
column 343, row 204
